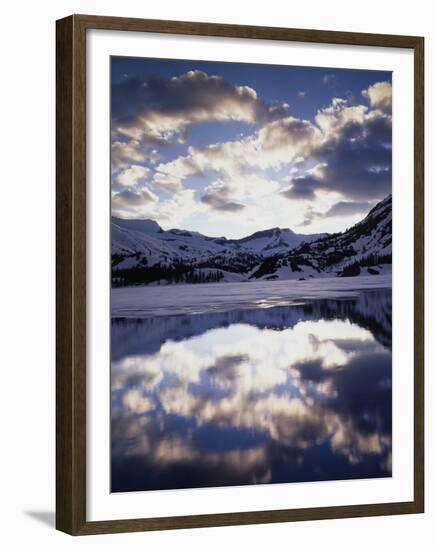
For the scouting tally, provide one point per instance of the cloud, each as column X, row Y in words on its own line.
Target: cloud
column 175, row 171
column 132, row 175
column 123, row 153
column 358, row 164
column 342, row 156
column 144, row 204
column 341, row 209
column 134, row 401
column 217, row 196
column 355, row 153
column 137, row 203
column 301, row 188
column 380, row 96
column 167, row 181
column 127, row 198
column 346, row 208
column 351, row 142
column 287, row 138
column 273, row 145
column 302, row 94
column 154, row 156
column 338, row 115
column 157, row 110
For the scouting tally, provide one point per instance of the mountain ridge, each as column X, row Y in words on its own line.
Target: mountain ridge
column 142, row 252
column 364, row 248
column 153, row 227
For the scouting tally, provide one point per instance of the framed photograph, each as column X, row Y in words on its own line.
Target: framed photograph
column 239, row 275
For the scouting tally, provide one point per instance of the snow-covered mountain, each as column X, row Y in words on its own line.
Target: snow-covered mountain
column 142, row 252
column 143, row 244
column 365, row 248
column 273, row 241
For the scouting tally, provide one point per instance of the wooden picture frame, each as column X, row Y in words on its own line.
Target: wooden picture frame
column 71, row 273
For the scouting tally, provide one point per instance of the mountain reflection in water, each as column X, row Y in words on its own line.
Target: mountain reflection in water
column 282, row 394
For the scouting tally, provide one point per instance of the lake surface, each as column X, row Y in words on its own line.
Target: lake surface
column 163, row 300
column 259, row 393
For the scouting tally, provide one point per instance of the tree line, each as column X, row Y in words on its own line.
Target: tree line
column 173, row 274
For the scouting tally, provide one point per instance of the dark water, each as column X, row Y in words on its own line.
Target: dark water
column 281, row 394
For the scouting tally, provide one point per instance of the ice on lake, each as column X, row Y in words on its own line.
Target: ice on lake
column 145, row 301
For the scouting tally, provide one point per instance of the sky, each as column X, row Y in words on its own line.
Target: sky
column 228, row 149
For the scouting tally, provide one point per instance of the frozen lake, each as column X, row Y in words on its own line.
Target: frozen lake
column 155, row 301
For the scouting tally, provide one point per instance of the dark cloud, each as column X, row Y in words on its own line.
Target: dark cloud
column 356, row 158
column 127, row 198
column 168, row 106
column 340, row 209
column 305, row 222
column 378, row 130
column 357, row 170
column 301, row 189
column 218, row 198
column 345, row 208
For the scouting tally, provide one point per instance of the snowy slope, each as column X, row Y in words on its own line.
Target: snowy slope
column 142, row 252
column 365, row 248
column 146, row 227
column 273, row 241
column 139, row 243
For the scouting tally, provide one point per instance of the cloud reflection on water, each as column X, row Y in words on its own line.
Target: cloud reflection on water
column 284, row 394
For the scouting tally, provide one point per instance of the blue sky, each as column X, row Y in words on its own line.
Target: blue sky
column 229, row 149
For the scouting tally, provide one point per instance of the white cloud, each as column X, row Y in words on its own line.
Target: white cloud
column 124, row 153
column 132, row 176
column 136, row 402
column 167, row 181
column 380, row 96
column 274, row 145
column 334, row 118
